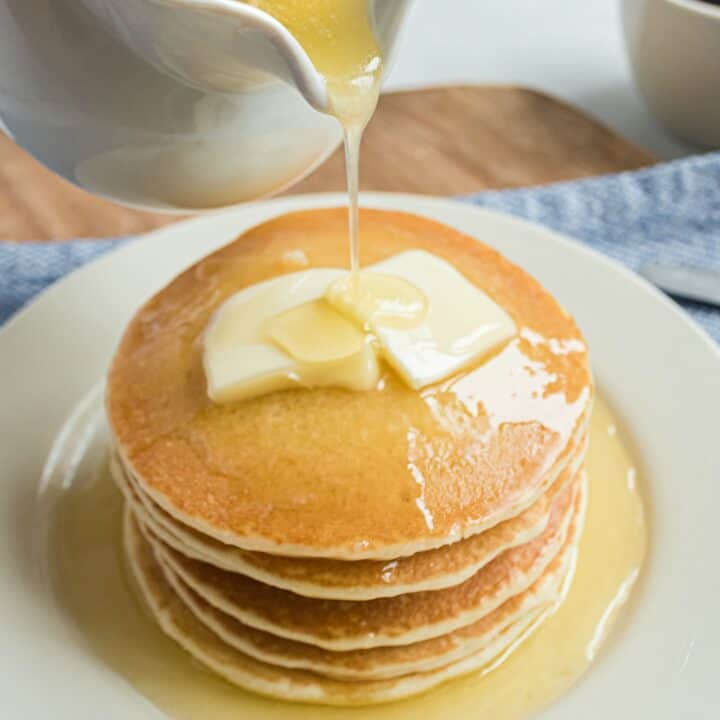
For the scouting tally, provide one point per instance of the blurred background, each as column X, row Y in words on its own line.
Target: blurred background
column 572, row 50
column 496, row 94
column 161, row 110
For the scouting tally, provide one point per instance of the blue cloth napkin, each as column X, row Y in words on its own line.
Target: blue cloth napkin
column 669, row 213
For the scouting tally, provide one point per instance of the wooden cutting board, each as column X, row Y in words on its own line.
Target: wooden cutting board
column 438, row 141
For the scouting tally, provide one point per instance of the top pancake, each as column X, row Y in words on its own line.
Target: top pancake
column 330, row 472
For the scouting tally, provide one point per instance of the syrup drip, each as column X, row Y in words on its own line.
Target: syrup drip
column 93, row 586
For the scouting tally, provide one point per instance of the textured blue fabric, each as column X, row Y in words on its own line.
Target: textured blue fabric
column 27, row 268
column 668, row 213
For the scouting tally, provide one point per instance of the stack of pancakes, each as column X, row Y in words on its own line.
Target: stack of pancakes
column 338, row 547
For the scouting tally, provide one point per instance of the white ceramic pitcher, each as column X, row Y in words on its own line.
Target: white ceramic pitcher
column 171, row 104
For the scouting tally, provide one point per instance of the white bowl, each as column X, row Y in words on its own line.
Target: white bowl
column 674, row 50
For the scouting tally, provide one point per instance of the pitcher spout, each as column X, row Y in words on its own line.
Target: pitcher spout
column 221, row 46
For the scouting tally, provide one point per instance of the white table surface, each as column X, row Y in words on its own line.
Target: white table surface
column 572, row 49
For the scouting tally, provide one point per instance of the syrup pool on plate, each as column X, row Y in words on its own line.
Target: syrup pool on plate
column 94, row 587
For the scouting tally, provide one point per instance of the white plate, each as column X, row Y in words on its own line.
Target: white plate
column 661, row 373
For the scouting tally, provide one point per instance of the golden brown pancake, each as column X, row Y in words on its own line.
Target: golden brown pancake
column 343, row 580
column 179, row 622
column 342, row 625
column 360, row 580
column 340, row 474
column 382, row 662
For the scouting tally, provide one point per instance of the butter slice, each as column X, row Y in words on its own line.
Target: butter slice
column 461, row 323
column 241, row 360
column 386, row 300
column 315, row 332
column 303, row 330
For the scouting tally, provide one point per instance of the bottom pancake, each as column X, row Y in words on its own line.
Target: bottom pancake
column 178, row 621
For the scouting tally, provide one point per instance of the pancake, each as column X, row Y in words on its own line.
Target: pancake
column 287, row 473
column 180, row 623
column 342, row 580
column 342, row 625
column 376, row 663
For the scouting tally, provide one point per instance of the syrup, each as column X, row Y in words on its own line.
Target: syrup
column 94, row 586
column 339, row 39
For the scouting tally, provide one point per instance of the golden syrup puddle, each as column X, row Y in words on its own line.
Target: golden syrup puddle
column 93, row 586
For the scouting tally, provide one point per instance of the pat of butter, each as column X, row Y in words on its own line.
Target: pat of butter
column 460, row 323
column 315, row 333
column 243, row 346
column 315, row 328
column 376, row 299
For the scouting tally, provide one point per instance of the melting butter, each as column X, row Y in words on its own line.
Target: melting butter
column 242, row 359
column 324, row 327
column 377, row 299
column 327, row 348
column 460, row 325
column 314, row 333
